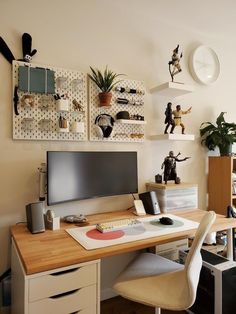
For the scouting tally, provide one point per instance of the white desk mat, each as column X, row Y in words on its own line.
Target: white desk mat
column 90, row 238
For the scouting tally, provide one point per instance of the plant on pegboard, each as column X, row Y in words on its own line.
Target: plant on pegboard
column 105, row 82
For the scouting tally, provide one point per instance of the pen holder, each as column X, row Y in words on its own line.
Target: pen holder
column 77, row 127
column 63, row 125
column 62, row 105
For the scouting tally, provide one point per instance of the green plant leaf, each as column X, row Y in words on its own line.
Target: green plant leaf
column 106, row 80
column 222, row 134
column 220, row 119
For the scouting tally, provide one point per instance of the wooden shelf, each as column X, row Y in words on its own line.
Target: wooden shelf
column 220, row 193
column 172, row 89
column 128, row 121
column 173, row 137
column 170, row 186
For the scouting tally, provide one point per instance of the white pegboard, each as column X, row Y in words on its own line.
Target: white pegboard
column 40, row 123
column 121, row 131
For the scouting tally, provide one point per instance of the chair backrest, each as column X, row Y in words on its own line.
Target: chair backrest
column 193, row 262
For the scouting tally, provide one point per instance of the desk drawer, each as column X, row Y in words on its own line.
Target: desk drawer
column 59, row 282
column 80, row 301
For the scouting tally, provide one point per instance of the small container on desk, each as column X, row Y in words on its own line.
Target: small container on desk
column 173, row 196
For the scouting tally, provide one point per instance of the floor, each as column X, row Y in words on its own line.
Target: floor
column 119, row 305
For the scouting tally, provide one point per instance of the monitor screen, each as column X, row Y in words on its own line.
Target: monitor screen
column 82, row 175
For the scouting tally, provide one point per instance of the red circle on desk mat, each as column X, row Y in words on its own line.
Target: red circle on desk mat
column 97, row 235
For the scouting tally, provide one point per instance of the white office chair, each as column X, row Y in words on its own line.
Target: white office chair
column 156, row 281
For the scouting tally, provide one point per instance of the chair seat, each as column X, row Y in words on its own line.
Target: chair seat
column 154, row 280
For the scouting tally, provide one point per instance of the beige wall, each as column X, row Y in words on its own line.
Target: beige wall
column 135, row 37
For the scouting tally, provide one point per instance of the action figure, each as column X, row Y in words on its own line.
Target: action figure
column 170, row 167
column 168, row 120
column 174, row 64
column 177, row 118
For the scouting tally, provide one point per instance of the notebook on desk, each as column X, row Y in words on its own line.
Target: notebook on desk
column 90, row 238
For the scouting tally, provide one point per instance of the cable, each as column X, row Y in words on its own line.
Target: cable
column 5, row 274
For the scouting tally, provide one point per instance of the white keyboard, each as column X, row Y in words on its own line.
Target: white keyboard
column 118, row 225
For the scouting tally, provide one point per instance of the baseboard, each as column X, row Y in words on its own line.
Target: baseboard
column 107, row 294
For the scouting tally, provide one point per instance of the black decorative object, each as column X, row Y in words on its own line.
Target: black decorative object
column 5, row 51
column 125, row 101
column 169, row 166
column 123, row 115
column 26, row 49
column 169, row 119
column 16, row 100
column 104, row 125
column 158, row 178
column 129, row 90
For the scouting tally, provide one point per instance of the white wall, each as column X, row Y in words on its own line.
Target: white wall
column 135, row 37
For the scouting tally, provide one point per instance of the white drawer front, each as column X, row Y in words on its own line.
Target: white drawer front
column 172, row 245
column 89, row 310
column 60, row 282
column 78, row 301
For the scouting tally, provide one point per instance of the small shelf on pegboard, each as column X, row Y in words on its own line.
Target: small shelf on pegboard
column 123, row 131
column 129, row 121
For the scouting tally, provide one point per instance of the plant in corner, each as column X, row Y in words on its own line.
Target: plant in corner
column 221, row 135
column 105, row 82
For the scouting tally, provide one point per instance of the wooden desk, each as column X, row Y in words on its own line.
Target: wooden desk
column 53, row 251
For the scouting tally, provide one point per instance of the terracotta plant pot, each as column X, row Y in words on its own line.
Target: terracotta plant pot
column 105, row 99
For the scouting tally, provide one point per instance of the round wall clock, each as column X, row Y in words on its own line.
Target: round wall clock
column 204, row 65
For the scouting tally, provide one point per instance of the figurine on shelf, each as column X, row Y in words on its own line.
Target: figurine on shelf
column 174, row 64
column 168, row 120
column 177, row 118
column 169, row 166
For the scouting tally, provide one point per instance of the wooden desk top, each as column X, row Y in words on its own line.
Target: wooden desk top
column 54, row 249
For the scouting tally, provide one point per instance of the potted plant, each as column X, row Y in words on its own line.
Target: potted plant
column 105, row 82
column 221, row 135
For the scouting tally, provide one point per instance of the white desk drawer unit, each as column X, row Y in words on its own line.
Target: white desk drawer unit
column 80, row 299
column 61, row 282
column 72, row 289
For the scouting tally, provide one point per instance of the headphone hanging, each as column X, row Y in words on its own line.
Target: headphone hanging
column 104, row 125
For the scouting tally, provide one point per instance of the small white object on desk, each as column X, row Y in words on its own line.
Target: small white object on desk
column 139, row 208
column 52, row 222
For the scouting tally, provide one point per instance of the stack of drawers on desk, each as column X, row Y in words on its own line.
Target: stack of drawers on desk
column 73, row 289
column 173, row 196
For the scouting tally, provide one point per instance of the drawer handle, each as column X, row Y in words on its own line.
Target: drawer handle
column 65, row 272
column 64, row 294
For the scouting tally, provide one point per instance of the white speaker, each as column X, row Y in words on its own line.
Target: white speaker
column 35, row 217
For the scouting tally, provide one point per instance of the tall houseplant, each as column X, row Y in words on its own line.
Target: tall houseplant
column 105, row 82
column 221, row 135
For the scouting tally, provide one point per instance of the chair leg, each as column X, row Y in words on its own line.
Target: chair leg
column 157, row 310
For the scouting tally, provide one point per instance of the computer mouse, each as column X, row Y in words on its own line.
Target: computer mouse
column 166, row 221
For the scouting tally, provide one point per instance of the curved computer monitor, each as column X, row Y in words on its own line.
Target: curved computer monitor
column 82, row 175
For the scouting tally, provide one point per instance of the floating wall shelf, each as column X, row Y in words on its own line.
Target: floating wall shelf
column 172, row 89
column 173, row 137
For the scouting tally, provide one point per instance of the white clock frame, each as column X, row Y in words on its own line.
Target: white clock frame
column 204, row 65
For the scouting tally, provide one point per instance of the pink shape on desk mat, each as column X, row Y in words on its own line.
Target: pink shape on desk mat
column 97, row 235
